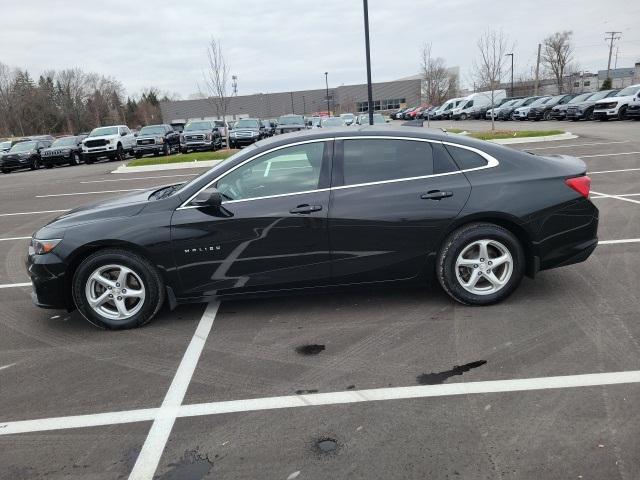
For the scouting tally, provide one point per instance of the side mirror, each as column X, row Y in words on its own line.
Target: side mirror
column 209, row 198
column 135, row 134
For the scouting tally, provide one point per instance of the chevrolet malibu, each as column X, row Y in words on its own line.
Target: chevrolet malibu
column 323, row 208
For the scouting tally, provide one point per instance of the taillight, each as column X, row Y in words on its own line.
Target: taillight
column 582, row 185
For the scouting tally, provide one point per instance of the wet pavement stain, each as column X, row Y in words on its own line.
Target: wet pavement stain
column 436, row 378
column 327, row 445
column 305, row 392
column 191, row 466
column 312, row 349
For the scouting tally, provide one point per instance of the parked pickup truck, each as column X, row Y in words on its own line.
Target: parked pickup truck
column 201, row 135
column 157, row 139
column 290, row 123
column 64, row 150
column 112, row 142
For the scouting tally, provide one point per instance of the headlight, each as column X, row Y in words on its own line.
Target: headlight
column 209, row 136
column 254, row 134
column 40, row 247
column 232, row 134
column 160, row 140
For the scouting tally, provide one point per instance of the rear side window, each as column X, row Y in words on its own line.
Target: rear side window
column 466, row 159
column 442, row 161
column 377, row 160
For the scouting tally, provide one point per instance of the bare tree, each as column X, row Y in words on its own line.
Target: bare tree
column 557, row 54
column 216, row 79
column 490, row 68
column 437, row 80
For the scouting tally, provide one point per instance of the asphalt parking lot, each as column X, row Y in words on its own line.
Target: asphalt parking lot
column 392, row 383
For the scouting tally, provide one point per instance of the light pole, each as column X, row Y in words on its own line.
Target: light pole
column 326, row 82
column 511, row 55
column 365, row 6
column 304, row 105
column 293, row 110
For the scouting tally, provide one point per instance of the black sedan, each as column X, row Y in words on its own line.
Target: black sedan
column 322, row 208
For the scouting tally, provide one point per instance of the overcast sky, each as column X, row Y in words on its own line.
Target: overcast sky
column 277, row 45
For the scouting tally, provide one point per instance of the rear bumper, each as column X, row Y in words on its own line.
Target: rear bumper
column 49, row 280
column 571, row 235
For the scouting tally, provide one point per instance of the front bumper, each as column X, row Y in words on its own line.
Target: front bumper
column 243, row 140
column 149, row 148
column 15, row 163
column 98, row 152
column 198, row 145
column 598, row 114
column 51, row 288
column 55, row 159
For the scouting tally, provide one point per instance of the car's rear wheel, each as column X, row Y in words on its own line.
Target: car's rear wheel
column 117, row 289
column 480, row 264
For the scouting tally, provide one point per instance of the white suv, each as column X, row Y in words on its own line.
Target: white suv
column 616, row 106
column 111, row 142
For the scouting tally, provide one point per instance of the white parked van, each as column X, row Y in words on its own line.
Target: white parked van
column 445, row 110
column 474, row 103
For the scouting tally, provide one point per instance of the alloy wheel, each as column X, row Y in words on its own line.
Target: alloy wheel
column 115, row 292
column 484, row 267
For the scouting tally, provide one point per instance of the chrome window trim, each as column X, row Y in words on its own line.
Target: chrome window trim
column 491, row 163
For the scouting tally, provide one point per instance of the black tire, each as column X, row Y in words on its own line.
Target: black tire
column 184, row 150
column 151, row 279
column 166, row 151
column 6, row 171
column 156, row 153
column 547, row 115
column 35, row 164
column 463, row 116
column 75, row 159
column 138, row 155
column 457, row 241
column 120, row 154
column 622, row 113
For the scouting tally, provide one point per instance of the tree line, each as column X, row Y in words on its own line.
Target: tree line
column 70, row 101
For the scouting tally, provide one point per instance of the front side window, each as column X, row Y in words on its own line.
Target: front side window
column 377, row 160
column 288, row 170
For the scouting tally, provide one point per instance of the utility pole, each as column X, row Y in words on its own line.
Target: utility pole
column 365, row 5
column 326, row 82
column 535, row 87
column 304, row 105
column 611, row 38
column 234, row 85
column 511, row 55
column 293, row 110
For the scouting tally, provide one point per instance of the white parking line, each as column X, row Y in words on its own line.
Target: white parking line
column 7, row 366
column 619, row 197
column 89, row 193
column 147, row 461
column 615, row 171
column 315, row 399
column 13, row 238
column 608, row 154
column 140, row 178
column 32, row 213
column 15, row 285
column 578, row 145
column 623, row 240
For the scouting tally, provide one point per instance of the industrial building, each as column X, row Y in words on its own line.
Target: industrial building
column 387, row 96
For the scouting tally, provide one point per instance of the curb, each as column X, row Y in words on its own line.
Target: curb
column 167, row 166
column 549, row 138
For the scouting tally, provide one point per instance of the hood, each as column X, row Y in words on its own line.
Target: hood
column 195, row 132
column 626, row 98
column 102, row 137
column 122, row 206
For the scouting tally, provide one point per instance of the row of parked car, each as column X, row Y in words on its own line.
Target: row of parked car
column 115, row 142
column 602, row 105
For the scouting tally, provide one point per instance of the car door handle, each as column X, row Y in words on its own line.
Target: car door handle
column 306, row 209
column 435, row 195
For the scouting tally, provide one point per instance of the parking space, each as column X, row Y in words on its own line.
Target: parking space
column 570, row 323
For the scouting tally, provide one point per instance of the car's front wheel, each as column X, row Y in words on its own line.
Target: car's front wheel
column 117, row 289
column 75, row 159
column 480, row 264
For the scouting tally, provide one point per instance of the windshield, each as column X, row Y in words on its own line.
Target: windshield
column 65, row 142
column 600, row 95
column 152, row 130
column 509, row 103
column 581, row 98
column 291, row 120
column 191, row 126
column 103, row 131
column 626, row 92
column 247, row 123
column 5, row 145
column 333, row 122
column 347, row 116
column 529, row 101
column 24, row 146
